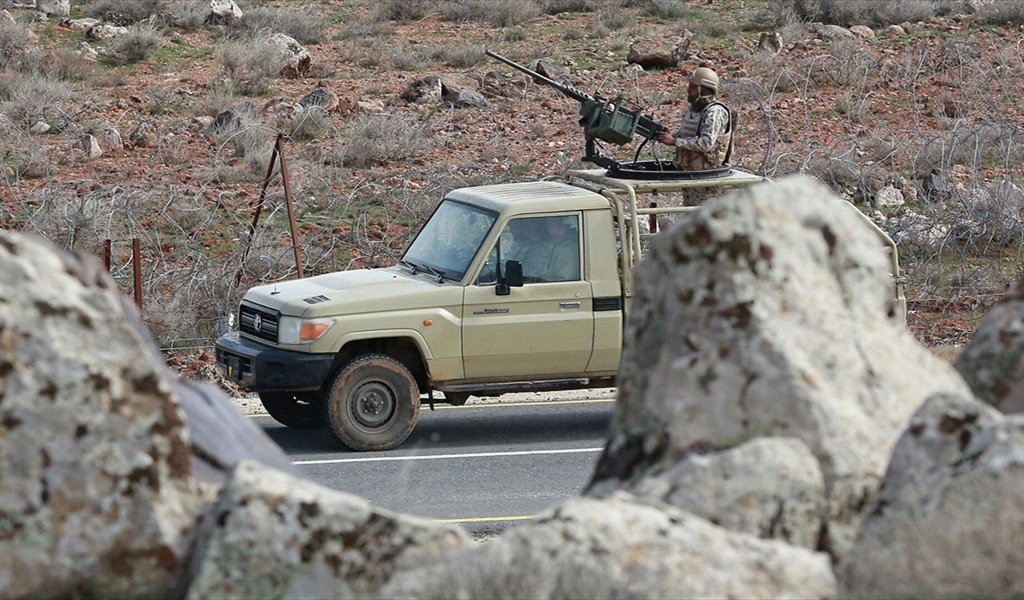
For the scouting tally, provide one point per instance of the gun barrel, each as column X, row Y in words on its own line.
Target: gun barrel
column 568, row 90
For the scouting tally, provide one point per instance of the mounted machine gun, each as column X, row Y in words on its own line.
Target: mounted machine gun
column 606, row 120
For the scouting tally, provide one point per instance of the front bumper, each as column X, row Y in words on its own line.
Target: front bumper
column 258, row 367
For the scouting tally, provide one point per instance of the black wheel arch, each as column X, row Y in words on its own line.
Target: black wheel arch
column 403, row 349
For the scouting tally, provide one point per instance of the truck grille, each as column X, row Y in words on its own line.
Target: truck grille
column 258, row 322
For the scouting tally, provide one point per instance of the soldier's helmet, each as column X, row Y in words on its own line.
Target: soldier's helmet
column 704, row 77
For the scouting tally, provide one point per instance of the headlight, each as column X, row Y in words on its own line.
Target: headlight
column 293, row 330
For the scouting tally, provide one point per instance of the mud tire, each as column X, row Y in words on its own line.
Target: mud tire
column 296, row 410
column 373, row 403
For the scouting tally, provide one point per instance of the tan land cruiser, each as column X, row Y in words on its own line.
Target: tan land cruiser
column 507, row 288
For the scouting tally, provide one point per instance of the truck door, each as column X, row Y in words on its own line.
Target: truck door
column 545, row 327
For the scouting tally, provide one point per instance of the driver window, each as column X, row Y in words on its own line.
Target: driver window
column 547, row 247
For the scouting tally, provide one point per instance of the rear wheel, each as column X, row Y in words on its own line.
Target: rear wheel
column 298, row 410
column 373, row 403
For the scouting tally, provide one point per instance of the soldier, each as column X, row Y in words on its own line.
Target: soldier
column 704, row 139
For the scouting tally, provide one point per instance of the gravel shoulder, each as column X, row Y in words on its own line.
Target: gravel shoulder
column 250, row 404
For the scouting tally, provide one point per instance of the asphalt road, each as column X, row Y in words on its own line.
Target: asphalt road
column 487, row 466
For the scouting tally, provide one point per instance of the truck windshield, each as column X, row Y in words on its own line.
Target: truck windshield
column 450, row 239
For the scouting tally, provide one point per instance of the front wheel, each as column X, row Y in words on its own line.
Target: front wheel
column 297, row 410
column 373, row 403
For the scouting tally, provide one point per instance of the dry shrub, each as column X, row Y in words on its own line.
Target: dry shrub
column 405, row 11
column 304, row 24
column 669, row 10
column 140, row 43
column 188, row 15
column 381, row 139
column 29, row 98
column 240, row 128
column 846, row 64
column 500, row 13
column 251, row 64
column 460, row 56
column 16, row 44
column 310, row 123
column 612, row 19
column 866, row 12
column 971, row 147
column 409, row 58
column 121, row 12
column 555, row 7
column 1002, row 12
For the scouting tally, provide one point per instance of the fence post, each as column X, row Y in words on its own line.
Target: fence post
column 137, row 271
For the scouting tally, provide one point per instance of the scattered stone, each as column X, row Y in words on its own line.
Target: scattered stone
column 651, row 60
column 144, row 135
column 54, row 8
column 84, row 24
column 88, row 147
column 297, row 60
column 223, row 12
column 770, row 41
column 87, row 52
column 40, row 127
column 104, row 31
column 322, row 97
column 863, row 32
column 888, row 197
column 893, row 31
column 423, row 91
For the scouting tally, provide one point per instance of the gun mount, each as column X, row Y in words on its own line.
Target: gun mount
column 607, row 120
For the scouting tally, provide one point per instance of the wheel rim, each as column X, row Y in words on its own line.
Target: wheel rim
column 373, row 404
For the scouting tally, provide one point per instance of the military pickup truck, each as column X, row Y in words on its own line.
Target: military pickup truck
column 506, row 288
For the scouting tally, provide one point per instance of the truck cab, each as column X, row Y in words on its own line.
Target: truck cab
column 506, row 288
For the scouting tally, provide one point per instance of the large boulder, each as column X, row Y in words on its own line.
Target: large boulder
column 622, row 547
column 273, row 535
column 993, row 363
column 768, row 487
column 95, row 473
column 107, row 458
column 770, row 312
column 949, row 517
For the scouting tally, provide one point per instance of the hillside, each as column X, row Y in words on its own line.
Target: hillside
column 912, row 110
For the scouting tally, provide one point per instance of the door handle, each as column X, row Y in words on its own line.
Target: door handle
column 571, row 304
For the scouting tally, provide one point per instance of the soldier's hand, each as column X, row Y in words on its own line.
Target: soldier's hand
column 666, row 138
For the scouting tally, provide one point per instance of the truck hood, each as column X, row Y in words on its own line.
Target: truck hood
column 354, row 292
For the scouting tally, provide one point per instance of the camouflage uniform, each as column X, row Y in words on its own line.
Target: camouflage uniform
column 703, row 139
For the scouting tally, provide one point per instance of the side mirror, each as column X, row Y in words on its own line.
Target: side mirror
column 512, row 277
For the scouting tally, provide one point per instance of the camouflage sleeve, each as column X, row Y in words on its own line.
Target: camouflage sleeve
column 715, row 124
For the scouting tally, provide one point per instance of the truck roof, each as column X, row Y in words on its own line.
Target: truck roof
column 530, row 196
